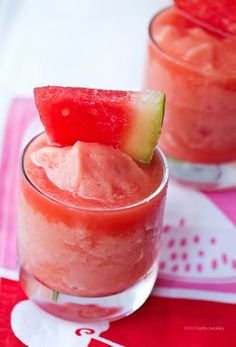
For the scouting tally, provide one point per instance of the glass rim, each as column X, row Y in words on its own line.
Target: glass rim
column 148, row 199
column 199, row 22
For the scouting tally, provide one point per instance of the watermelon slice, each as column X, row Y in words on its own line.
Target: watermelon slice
column 220, row 14
column 130, row 121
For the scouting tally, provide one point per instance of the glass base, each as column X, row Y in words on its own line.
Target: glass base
column 88, row 309
column 203, row 176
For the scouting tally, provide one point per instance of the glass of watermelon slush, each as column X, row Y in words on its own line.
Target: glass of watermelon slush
column 90, row 215
column 196, row 67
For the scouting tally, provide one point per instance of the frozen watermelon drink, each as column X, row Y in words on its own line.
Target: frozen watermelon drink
column 92, row 195
column 195, row 65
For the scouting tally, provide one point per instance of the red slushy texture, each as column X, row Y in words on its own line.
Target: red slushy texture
column 197, row 71
column 81, row 244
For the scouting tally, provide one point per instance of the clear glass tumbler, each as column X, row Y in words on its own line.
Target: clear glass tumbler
column 196, row 67
column 88, row 264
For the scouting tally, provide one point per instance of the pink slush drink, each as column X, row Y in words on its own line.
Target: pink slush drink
column 197, row 70
column 91, row 212
column 89, row 227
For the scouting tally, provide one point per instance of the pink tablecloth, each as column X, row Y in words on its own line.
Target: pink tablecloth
column 198, row 261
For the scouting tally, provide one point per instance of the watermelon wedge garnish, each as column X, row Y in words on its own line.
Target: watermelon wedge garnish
column 130, row 121
column 220, row 14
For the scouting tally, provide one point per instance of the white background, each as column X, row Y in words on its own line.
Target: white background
column 98, row 43
column 94, row 43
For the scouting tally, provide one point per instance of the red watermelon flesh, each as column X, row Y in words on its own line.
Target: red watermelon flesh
column 220, row 14
column 127, row 120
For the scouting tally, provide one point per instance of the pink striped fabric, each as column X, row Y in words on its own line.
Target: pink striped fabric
column 226, row 202
column 21, row 113
column 181, row 241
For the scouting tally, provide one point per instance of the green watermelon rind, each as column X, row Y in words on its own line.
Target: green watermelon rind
column 143, row 136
